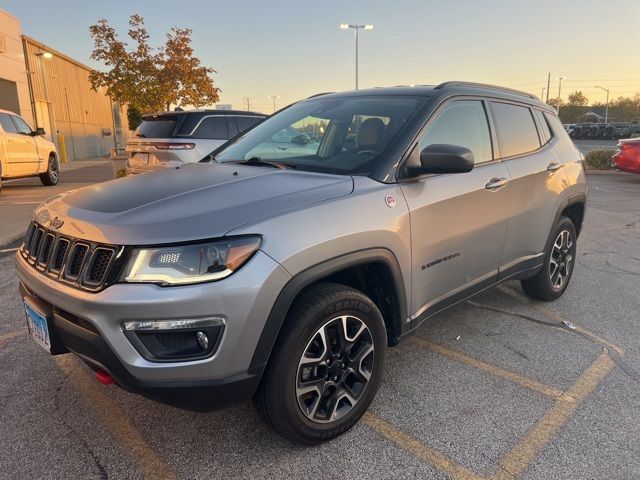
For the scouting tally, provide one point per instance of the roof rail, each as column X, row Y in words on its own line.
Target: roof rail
column 320, row 94
column 484, row 85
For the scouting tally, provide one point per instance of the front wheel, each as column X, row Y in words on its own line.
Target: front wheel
column 52, row 175
column 326, row 366
column 551, row 282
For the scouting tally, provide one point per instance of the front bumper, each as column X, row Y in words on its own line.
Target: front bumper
column 244, row 299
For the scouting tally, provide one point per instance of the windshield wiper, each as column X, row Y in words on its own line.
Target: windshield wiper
column 258, row 162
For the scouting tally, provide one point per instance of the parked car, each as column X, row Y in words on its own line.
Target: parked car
column 24, row 152
column 171, row 139
column 570, row 127
column 627, row 158
column 285, row 279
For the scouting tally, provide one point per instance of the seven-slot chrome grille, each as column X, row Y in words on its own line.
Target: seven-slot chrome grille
column 79, row 263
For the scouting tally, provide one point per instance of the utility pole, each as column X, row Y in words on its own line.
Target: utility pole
column 606, row 109
column 542, row 96
column 248, row 100
column 345, row 26
column 273, row 97
column 548, row 86
column 559, row 89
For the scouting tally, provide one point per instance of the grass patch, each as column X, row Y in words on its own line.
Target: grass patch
column 599, row 159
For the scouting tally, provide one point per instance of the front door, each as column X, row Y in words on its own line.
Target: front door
column 20, row 149
column 458, row 221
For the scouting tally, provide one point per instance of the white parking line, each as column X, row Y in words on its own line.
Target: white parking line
column 19, row 203
column 6, row 250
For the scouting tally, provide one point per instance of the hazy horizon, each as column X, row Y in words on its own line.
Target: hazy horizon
column 294, row 50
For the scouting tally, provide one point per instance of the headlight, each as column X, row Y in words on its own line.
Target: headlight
column 184, row 264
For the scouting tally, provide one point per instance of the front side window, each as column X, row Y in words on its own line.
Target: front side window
column 463, row 123
column 214, row 128
column 341, row 135
column 517, row 133
column 23, row 127
column 7, row 124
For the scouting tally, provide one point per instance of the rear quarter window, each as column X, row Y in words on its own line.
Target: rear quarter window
column 161, row 126
column 517, row 132
column 545, row 130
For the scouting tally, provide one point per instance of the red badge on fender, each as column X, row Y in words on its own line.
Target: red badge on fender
column 390, row 201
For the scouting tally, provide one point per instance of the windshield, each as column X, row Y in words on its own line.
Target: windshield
column 342, row 135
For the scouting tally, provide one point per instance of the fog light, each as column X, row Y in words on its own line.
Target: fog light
column 175, row 340
column 203, row 340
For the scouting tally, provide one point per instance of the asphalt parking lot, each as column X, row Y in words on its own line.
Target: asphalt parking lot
column 498, row 387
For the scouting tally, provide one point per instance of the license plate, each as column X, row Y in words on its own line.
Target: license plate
column 140, row 159
column 38, row 327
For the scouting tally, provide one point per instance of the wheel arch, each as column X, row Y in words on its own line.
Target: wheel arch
column 574, row 208
column 379, row 263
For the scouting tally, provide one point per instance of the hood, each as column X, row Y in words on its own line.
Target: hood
column 193, row 202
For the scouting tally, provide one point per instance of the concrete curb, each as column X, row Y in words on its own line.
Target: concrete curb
column 606, row 172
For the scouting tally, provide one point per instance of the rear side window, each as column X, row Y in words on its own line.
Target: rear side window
column 545, row 132
column 462, row 123
column 517, row 133
column 161, row 126
column 7, row 124
column 245, row 123
column 214, row 128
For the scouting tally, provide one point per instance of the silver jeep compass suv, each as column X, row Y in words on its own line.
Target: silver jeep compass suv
column 283, row 275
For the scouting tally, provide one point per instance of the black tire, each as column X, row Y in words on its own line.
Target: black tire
column 52, row 175
column 278, row 399
column 546, row 285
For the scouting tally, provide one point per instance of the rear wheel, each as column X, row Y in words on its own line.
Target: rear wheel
column 551, row 282
column 52, row 175
column 326, row 366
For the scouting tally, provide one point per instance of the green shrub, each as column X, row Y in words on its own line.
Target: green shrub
column 599, row 159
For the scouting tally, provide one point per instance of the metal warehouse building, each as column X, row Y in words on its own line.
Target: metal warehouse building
column 60, row 98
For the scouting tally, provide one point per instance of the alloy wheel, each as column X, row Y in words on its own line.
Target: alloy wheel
column 561, row 260
column 53, row 169
column 335, row 368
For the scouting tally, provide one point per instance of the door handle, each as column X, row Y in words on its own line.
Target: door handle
column 10, row 140
column 496, row 183
column 553, row 166
column 281, row 148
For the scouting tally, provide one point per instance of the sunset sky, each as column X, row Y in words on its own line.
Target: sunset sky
column 295, row 49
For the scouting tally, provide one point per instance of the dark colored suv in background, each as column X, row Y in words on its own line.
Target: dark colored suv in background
column 170, row 139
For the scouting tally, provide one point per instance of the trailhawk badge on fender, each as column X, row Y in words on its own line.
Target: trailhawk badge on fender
column 390, row 201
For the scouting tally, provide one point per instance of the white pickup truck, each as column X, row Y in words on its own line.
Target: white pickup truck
column 24, row 152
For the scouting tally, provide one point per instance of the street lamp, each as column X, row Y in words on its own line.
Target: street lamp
column 273, row 97
column 606, row 109
column 559, row 89
column 356, row 28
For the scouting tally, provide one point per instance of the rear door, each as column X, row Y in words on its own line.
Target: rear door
column 458, row 221
column 537, row 179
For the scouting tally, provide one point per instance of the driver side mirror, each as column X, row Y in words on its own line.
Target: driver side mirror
column 441, row 158
column 39, row 131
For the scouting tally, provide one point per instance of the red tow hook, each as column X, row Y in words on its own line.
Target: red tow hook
column 104, row 378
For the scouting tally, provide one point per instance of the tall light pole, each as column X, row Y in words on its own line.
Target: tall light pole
column 559, row 90
column 273, row 97
column 356, row 28
column 606, row 109
column 542, row 96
